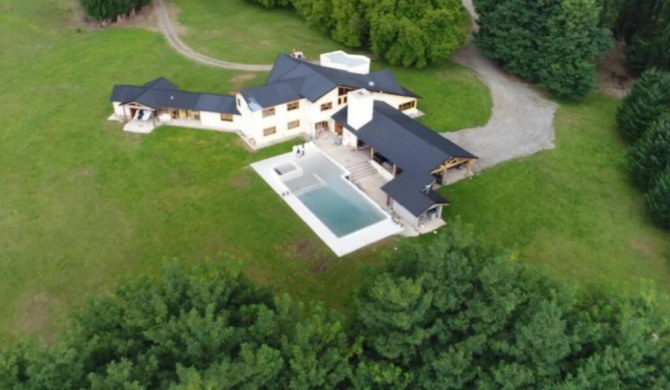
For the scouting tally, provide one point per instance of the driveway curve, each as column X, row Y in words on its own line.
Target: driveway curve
column 522, row 119
column 170, row 32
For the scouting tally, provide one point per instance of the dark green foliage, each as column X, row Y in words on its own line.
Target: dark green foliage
column 647, row 101
column 273, row 3
column 650, row 155
column 205, row 326
column 551, row 43
column 109, row 10
column 658, row 200
column 408, row 33
column 457, row 314
column 415, row 33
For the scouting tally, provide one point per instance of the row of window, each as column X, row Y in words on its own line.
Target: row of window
column 272, row 130
column 270, row 111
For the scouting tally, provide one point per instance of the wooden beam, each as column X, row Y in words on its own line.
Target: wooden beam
column 395, row 170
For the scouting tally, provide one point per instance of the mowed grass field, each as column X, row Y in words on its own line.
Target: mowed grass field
column 84, row 205
column 572, row 210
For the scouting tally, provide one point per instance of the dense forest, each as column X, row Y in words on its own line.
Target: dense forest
column 452, row 314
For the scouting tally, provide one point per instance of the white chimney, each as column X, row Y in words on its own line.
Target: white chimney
column 360, row 109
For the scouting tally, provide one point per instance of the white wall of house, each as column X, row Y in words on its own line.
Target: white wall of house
column 213, row 119
column 396, row 100
column 404, row 213
column 118, row 110
column 349, row 139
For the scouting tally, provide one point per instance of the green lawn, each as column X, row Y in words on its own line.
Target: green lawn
column 242, row 31
column 572, row 209
column 84, row 205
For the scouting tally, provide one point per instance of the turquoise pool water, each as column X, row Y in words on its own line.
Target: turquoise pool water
column 332, row 198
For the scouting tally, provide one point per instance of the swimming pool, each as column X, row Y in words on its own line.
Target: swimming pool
column 332, row 199
column 317, row 189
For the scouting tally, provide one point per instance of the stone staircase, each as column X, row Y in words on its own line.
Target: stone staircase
column 361, row 170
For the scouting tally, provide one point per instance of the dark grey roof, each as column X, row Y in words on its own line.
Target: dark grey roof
column 292, row 79
column 163, row 93
column 415, row 148
column 406, row 142
column 412, row 193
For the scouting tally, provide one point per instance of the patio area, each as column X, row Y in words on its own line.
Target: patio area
column 369, row 180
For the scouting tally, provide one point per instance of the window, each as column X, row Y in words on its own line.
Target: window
column 269, row 130
column 293, row 124
column 293, row 106
column 326, row 106
column 268, row 112
column 239, row 102
column 407, row 106
column 342, row 100
column 341, row 91
column 227, row 117
column 196, row 115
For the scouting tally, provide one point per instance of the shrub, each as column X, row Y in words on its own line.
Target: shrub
column 646, row 102
column 658, row 200
column 110, row 10
column 650, row 155
column 551, row 43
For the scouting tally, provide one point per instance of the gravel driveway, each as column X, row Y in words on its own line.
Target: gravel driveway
column 521, row 123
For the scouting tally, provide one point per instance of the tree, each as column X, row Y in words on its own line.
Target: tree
column 456, row 313
column 201, row 326
column 658, row 200
column 551, row 43
column 647, row 101
column 110, row 10
column 415, row 33
column 650, row 155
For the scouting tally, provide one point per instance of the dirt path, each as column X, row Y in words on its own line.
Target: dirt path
column 521, row 123
column 169, row 31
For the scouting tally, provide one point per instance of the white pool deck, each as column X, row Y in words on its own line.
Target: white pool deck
column 340, row 245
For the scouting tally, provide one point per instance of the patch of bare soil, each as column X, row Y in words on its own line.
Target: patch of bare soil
column 241, row 180
column 304, row 249
column 34, row 313
column 614, row 77
column 143, row 18
column 237, row 82
column 643, row 247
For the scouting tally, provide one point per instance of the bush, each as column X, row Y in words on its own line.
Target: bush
column 658, row 200
column 110, row 10
column 646, row 102
column 550, row 43
column 650, row 155
column 404, row 33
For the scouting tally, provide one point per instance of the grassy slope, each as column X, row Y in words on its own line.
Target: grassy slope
column 242, row 31
column 83, row 204
column 572, row 209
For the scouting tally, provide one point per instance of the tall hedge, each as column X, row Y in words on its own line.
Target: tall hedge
column 551, row 43
column 110, row 10
column 650, row 155
column 408, row 33
column 647, row 101
column 658, row 201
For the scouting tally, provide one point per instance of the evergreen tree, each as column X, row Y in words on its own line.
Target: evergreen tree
column 551, row 43
column 658, row 200
column 648, row 100
column 650, row 155
column 110, row 10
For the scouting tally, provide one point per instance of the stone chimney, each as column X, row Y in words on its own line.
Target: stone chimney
column 360, row 108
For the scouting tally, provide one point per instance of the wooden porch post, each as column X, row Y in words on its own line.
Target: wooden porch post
column 372, row 153
column 395, row 169
column 444, row 176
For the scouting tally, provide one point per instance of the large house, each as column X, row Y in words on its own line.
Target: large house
column 367, row 110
